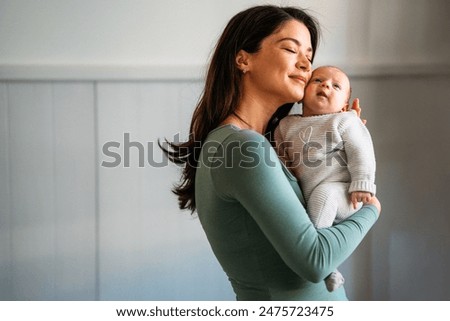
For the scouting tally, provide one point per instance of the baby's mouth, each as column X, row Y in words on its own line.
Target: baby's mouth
column 322, row 94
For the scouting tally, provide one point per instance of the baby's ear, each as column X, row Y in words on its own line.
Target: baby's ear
column 345, row 108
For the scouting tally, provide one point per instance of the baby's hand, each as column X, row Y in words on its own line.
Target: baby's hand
column 356, row 197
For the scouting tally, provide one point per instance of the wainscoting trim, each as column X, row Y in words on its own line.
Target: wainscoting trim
column 39, row 72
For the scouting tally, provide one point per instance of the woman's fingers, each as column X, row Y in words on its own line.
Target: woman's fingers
column 356, row 107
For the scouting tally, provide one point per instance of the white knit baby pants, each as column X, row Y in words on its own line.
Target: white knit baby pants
column 330, row 203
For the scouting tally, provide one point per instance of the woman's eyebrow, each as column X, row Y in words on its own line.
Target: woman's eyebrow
column 290, row 39
column 295, row 41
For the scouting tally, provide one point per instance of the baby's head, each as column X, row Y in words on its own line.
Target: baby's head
column 327, row 92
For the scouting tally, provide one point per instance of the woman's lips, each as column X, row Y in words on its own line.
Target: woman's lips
column 299, row 78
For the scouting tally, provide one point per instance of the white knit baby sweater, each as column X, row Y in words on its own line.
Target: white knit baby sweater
column 327, row 148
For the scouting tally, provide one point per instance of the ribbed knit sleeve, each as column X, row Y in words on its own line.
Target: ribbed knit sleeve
column 360, row 154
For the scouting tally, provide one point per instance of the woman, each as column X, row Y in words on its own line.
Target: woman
column 251, row 208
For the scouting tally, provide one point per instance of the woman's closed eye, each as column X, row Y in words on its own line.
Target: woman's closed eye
column 291, row 50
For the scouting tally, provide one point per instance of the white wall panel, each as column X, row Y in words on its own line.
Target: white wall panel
column 412, row 137
column 60, row 242
column 51, row 194
column 32, row 190
column 5, row 210
column 148, row 249
column 75, row 191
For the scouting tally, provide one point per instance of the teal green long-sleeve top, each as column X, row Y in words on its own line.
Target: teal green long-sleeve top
column 251, row 209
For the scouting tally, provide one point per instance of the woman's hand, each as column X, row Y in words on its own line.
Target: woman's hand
column 357, row 108
column 357, row 197
column 375, row 202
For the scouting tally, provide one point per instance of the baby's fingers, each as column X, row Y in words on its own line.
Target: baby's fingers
column 354, row 200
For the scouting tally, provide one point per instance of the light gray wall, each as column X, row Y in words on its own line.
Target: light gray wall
column 72, row 229
column 409, row 248
column 176, row 37
column 75, row 75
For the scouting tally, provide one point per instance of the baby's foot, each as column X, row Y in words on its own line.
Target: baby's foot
column 334, row 281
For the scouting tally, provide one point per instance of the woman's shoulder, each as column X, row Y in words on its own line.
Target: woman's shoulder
column 247, row 147
column 230, row 133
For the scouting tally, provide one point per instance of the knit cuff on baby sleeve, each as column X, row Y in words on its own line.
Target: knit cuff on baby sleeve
column 363, row 186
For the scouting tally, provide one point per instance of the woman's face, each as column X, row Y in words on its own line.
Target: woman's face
column 280, row 70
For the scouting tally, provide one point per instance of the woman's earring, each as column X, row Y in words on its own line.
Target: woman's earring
column 244, row 71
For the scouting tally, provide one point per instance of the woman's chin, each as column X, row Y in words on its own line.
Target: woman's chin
column 298, row 97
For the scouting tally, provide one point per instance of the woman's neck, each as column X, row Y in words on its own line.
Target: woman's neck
column 251, row 114
column 246, row 120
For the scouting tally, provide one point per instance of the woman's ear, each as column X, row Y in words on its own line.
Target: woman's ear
column 242, row 60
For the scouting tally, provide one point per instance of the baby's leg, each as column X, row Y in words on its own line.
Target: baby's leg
column 324, row 202
column 345, row 208
column 328, row 203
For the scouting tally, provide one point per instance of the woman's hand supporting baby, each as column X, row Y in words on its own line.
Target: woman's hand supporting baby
column 366, row 198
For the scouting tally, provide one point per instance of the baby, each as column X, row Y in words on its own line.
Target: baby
column 330, row 151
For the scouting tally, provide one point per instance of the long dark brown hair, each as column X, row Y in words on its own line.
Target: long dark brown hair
column 222, row 92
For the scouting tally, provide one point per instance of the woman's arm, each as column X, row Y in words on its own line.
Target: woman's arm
column 255, row 178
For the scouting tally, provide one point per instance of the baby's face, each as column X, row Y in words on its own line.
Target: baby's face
column 327, row 92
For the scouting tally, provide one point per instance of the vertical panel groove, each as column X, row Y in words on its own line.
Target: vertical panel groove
column 97, row 193
column 10, row 202
column 55, row 194
column 8, row 188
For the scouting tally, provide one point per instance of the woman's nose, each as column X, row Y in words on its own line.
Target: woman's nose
column 303, row 63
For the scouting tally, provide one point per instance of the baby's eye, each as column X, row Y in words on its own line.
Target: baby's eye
column 337, row 86
column 316, row 80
